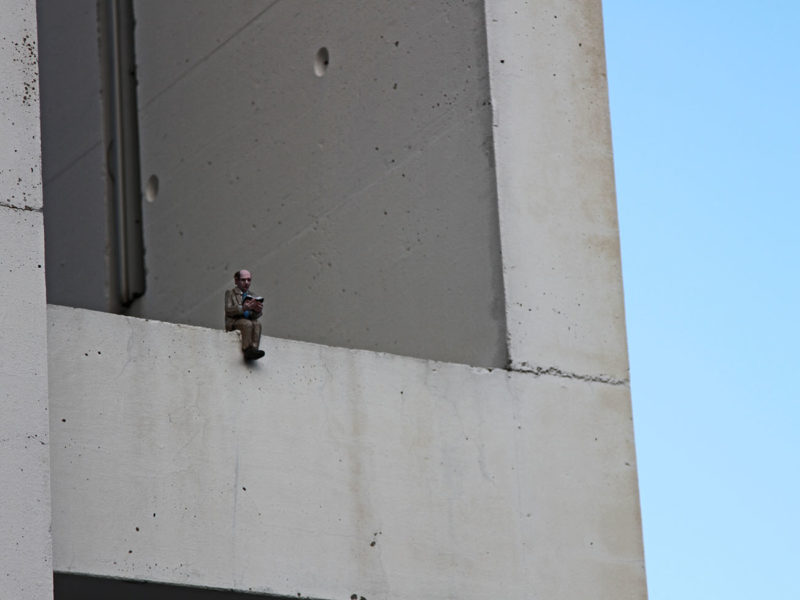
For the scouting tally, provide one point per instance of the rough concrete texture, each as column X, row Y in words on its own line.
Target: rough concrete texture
column 25, row 548
column 555, row 186
column 362, row 200
column 326, row 472
column 25, row 551
column 73, row 155
column 20, row 168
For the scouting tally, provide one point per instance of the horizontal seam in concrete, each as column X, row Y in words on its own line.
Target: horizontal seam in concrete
column 556, row 372
column 13, row 206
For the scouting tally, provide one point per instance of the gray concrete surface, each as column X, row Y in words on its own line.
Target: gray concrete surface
column 76, row 214
column 326, row 472
column 363, row 201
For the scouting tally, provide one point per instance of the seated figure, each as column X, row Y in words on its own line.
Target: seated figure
column 242, row 311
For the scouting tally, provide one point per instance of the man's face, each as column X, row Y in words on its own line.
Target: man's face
column 243, row 281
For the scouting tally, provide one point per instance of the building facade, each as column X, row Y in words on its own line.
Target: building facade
column 424, row 193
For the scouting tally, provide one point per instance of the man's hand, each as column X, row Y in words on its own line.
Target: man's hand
column 252, row 304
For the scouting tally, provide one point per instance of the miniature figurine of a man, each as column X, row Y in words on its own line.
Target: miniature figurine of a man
column 242, row 311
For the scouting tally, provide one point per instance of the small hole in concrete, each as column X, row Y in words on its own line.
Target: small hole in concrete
column 151, row 189
column 321, row 62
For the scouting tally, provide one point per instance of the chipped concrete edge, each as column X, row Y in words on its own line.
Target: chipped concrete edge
column 22, row 208
column 538, row 371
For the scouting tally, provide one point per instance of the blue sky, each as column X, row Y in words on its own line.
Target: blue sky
column 705, row 113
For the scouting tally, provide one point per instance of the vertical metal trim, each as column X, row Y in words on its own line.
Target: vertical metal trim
column 123, row 159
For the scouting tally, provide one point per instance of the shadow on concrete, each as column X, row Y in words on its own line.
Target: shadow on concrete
column 84, row 587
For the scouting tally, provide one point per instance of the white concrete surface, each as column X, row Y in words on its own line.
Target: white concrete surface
column 20, row 168
column 555, row 186
column 326, row 472
column 363, row 201
column 25, row 551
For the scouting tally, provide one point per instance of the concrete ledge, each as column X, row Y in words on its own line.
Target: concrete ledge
column 327, row 472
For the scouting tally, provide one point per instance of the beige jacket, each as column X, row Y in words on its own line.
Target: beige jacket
column 234, row 310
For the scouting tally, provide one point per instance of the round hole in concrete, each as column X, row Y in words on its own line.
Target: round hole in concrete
column 151, row 188
column 321, row 62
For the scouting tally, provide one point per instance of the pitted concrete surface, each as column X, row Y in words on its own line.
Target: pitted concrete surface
column 26, row 552
column 325, row 471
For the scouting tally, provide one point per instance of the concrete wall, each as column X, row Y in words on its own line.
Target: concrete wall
column 25, row 551
column 363, row 200
column 363, row 196
column 367, row 200
column 555, row 184
column 326, row 472
column 76, row 213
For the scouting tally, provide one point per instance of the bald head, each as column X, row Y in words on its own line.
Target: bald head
column 242, row 279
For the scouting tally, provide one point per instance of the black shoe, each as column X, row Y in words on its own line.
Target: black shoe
column 253, row 354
